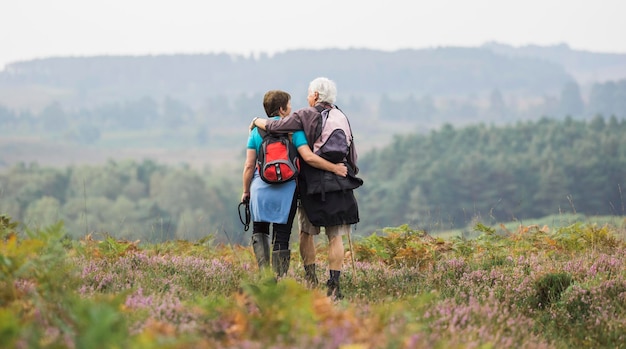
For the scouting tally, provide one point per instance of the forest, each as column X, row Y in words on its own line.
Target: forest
column 454, row 176
column 450, row 178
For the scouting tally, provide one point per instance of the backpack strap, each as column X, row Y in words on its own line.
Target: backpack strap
column 263, row 134
column 318, row 127
column 351, row 148
column 350, row 126
column 318, row 130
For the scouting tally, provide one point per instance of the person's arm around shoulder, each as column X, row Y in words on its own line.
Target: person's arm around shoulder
column 287, row 124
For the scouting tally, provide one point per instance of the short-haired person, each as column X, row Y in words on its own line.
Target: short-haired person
column 335, row 211
column 275, row 204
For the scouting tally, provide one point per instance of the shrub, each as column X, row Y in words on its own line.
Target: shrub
column 549, row 288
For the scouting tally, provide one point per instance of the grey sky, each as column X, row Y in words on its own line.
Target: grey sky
column 31, row 29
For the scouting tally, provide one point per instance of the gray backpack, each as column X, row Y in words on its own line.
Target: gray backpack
column 332, row 142
column 333, row 135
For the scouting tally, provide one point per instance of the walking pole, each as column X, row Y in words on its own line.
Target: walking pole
column 352, row 257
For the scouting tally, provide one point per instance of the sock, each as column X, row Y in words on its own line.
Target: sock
column 334, row 275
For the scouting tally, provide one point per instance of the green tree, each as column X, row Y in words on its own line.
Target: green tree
column 84, row 133
column 178, row 190
column 96, row 181
column 552, row 193
column 571, row 102
column 7, row 118
column 608, row 98
column 43, row 212
column 497, row 107
column 139, row 114
column 53, row 118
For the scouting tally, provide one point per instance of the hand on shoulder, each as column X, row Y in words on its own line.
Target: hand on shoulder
column 252, row 125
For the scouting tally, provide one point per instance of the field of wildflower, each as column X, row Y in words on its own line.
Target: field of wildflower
column 529, row 287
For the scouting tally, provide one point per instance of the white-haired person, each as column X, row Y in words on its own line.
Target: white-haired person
column 335, row 211
column 275, row 204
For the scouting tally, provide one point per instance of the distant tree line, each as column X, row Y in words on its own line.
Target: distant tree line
column 447, row 178
column 607, row 98
column 214, row 122
column 452, row 177
column 87, row 125
column 125, row 199
column 90, row 81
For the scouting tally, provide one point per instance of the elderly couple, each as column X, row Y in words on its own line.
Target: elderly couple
column 276, row 204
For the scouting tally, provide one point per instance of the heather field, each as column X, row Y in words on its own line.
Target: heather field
column 528, row 287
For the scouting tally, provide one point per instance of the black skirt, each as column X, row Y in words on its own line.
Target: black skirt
column 330, row 208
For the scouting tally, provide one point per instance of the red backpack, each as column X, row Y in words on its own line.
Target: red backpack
column 277, row 160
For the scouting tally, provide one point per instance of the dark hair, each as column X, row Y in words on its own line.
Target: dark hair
column 274, row 100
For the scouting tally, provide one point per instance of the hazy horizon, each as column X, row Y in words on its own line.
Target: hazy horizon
column 39, row 29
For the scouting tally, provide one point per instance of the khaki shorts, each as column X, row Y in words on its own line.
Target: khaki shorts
column 306, row 226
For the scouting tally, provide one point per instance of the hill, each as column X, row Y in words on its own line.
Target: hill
column 70, row 110
column 586, row 67
column 449, row 71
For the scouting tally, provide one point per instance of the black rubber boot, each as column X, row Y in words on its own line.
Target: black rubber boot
column 280, row 262
column 334, row 290
column 261, row 247
column 310, row 276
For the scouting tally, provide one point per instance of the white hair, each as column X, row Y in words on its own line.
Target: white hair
column 325, row 88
